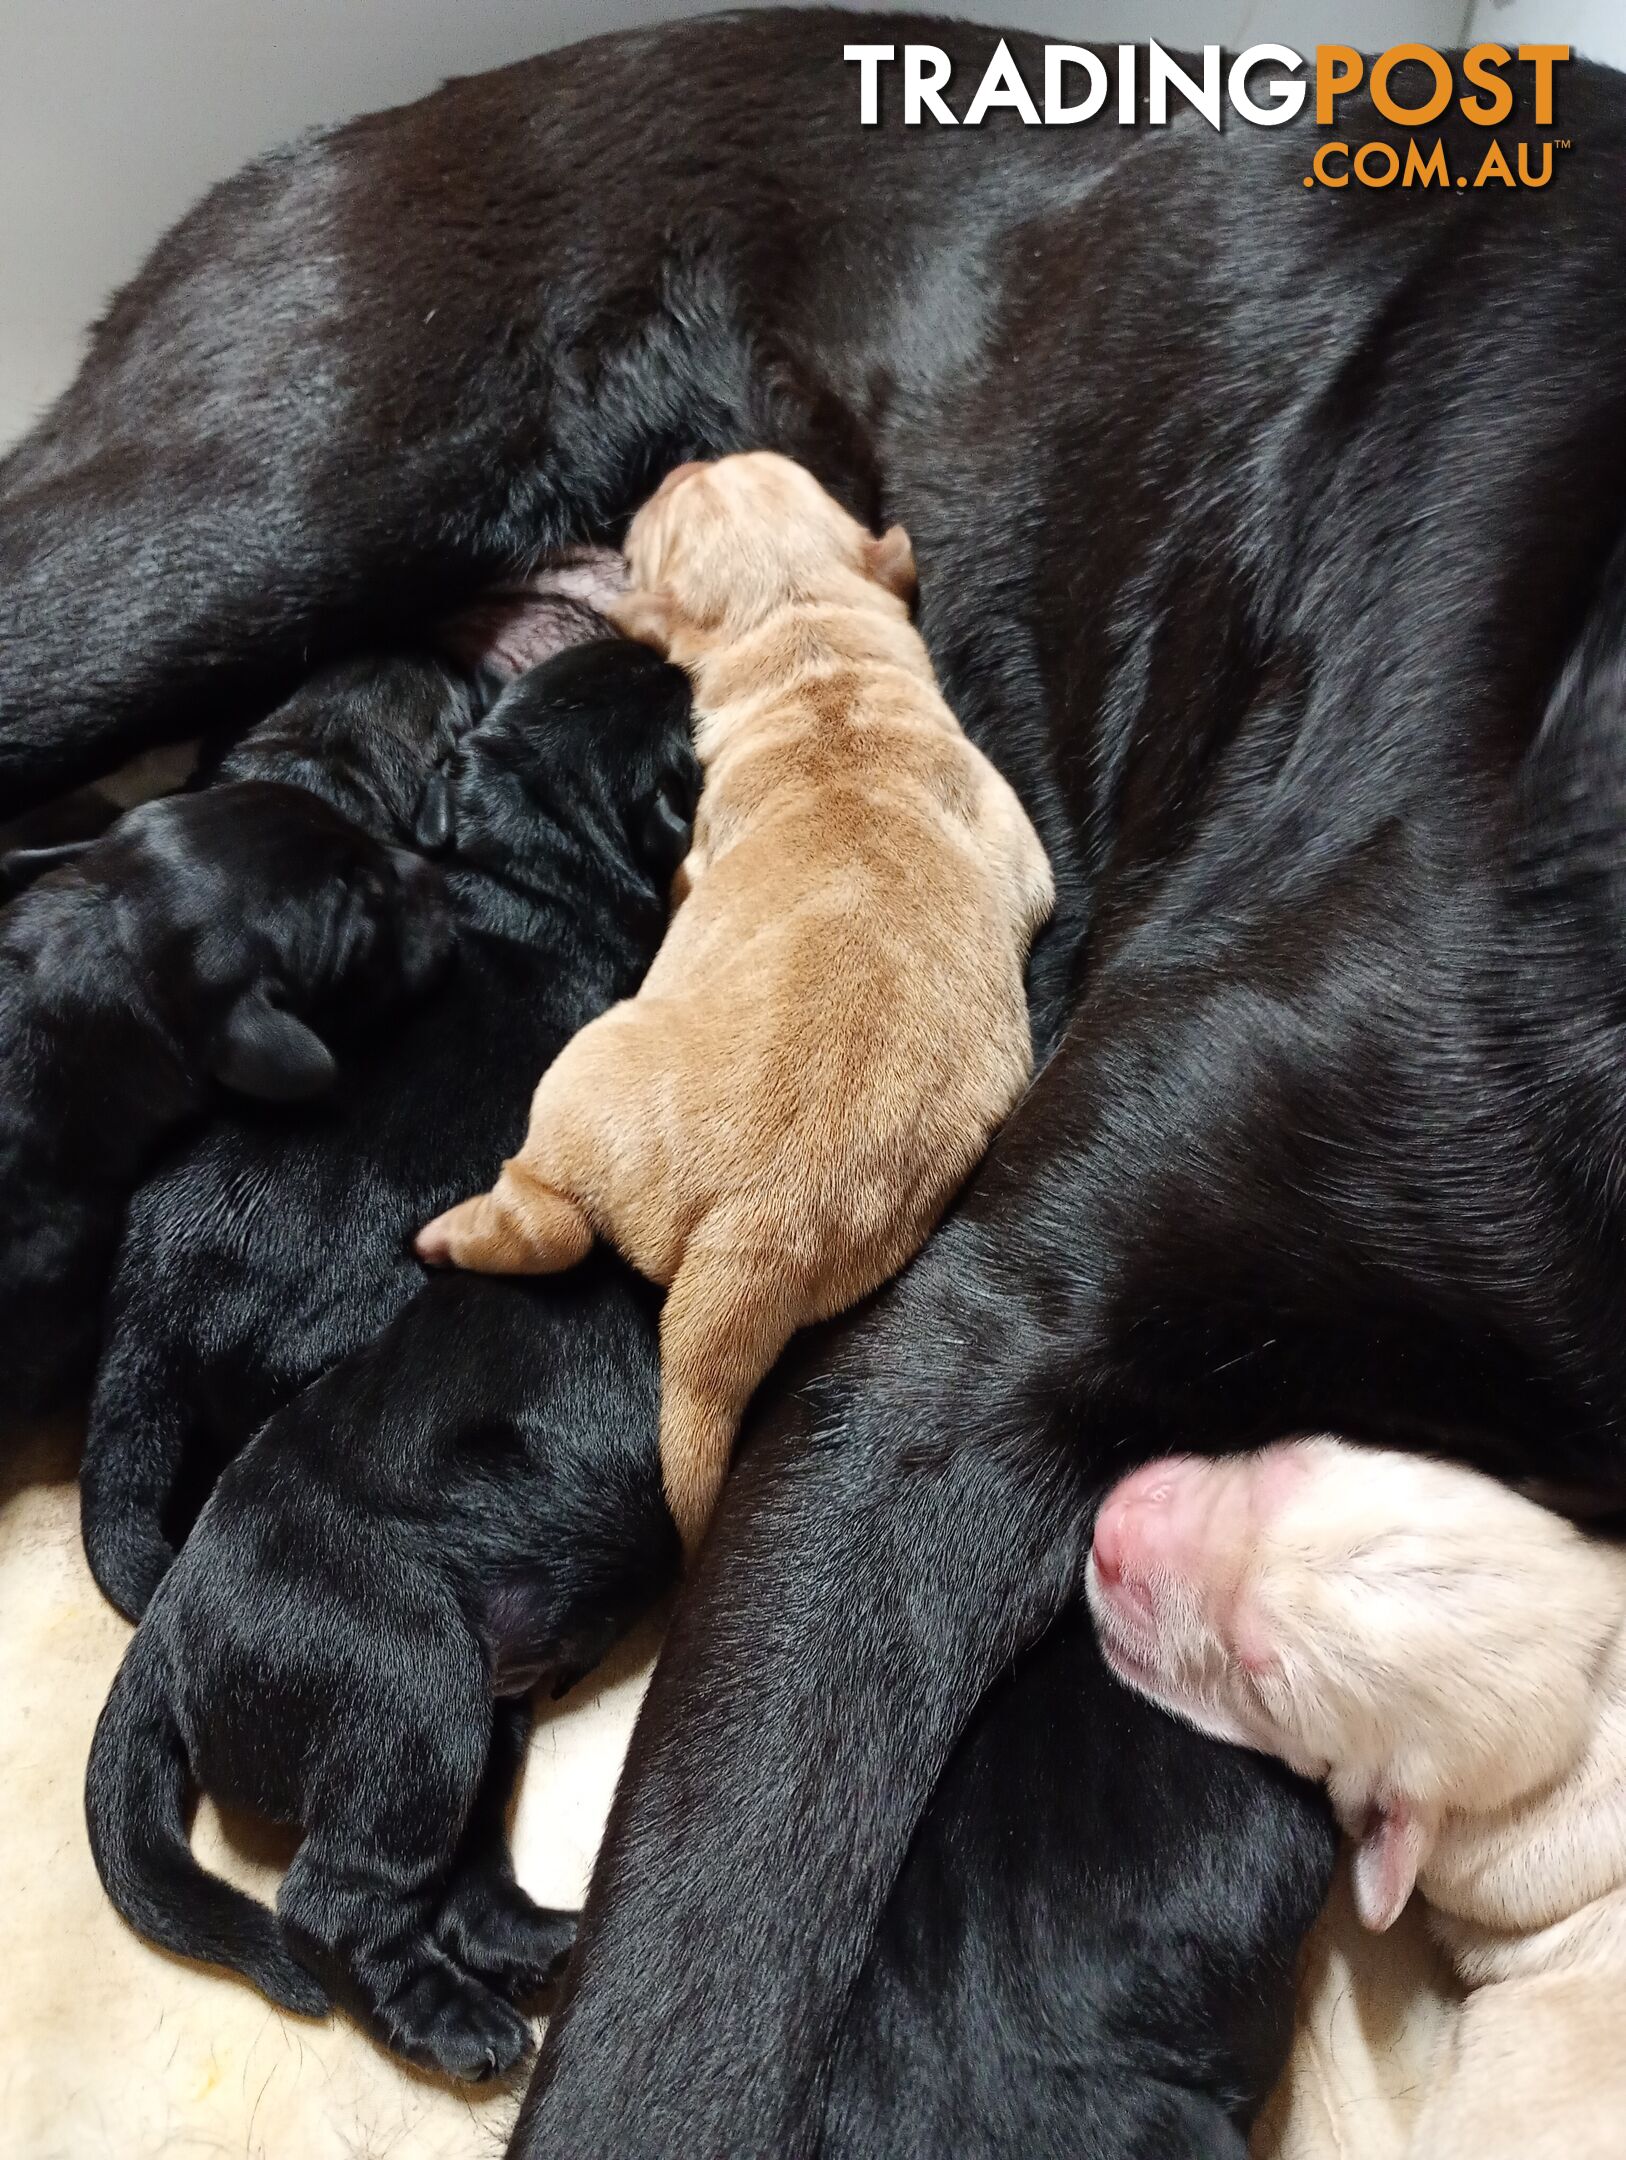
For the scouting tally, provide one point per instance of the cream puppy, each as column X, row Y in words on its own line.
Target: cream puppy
column 836, row 1022
column 1451, row 1660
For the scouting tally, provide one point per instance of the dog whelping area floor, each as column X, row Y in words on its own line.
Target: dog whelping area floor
column 112, row 2051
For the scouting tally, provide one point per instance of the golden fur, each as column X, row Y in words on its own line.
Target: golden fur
column 1451, row 1660
column 836, row 1022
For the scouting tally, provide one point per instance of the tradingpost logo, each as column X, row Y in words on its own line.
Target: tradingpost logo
column 1265, row 86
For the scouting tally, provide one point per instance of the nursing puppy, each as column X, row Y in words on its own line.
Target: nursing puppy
column 1451, row 1659
column 364, row 735
column 836, row 1022
column 468, row 1503
column 260, row 1255
column 206, row 941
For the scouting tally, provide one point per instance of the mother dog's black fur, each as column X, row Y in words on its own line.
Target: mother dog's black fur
column 466, row 1505
column 1073, row 1965
column 1255, row 523
column 200, row 942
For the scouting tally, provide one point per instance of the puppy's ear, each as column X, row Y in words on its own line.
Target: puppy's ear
column 1393, row 1847
column 23, row 865
column 665, row 825
column 892, row 563
column 432, row 827
column 646, row 617
column 264, row 1051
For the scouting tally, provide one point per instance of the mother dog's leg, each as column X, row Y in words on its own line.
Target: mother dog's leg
column 247, row 475
column 240, row 471
column 867, row 1586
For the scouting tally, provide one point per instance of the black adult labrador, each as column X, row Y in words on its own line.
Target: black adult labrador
column 1256, row 523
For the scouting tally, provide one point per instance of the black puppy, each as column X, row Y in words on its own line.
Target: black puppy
column 255, row 1257
column 345, row 1642
column 364, row 735
column 470, row 1502
column 207, row 939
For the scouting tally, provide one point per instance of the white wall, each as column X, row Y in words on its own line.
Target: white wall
column 116, row 114
column 1596, row 28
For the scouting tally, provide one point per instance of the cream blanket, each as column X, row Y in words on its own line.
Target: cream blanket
column 112, row 2051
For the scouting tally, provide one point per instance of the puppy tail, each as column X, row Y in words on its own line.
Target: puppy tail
column 136, row 1791
column 520, row 1227
column 720, row 1337
column 135, row 1445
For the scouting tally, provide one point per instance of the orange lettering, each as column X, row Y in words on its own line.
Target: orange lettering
column 1366, row 153
column 1410, row 115
column 1431, row 171
column 1338, row 68
column 1542, row 58
column 1481, row 64
column 1495, row 167
column 1319, row 167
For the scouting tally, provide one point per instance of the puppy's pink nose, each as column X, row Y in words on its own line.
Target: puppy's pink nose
column 1149, row 1527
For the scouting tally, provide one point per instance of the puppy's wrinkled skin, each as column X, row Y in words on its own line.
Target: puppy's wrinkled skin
column 469, row 1504
column 1451, row 1659
column 205, row 941
column 836, row 1023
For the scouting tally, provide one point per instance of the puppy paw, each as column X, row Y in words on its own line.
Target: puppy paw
column 433, row 1243
column 520, row 1227
column 447, row 2021
column 491, row 1928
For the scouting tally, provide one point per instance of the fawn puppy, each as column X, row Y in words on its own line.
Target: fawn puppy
column 836, row 1023
column 1451, row 1660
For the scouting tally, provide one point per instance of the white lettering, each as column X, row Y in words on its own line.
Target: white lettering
column 921, row 90
column 1002, row 84
column 1285, row 97
column 1057, row 113
column 870, row 60
column 1164, row 74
